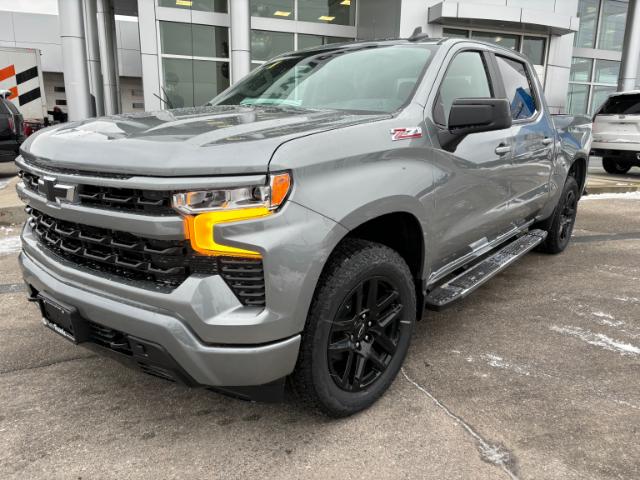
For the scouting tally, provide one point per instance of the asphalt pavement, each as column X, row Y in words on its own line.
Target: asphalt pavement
column 535, row 376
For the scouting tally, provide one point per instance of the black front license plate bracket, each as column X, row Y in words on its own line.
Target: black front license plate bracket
column 62, row 319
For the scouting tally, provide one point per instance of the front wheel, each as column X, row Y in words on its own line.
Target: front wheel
column 614, row 166
column 358, row 329
column 563, row 219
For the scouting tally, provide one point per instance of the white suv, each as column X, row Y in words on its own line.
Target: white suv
column 616, row 132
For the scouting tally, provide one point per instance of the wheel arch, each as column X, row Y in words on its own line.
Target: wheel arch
column 578, row 170
column 401, row 229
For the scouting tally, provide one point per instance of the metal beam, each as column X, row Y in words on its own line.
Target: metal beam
column 631, row 49
column 93, row 56
column 108, row 56
column 74, row 59
column 240, row 32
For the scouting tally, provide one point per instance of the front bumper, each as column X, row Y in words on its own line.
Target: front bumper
column 210, row 365
column 201, row 324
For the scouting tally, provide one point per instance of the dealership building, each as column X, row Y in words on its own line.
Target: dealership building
column 109, row 56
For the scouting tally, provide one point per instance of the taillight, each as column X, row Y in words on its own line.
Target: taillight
column 12, row 125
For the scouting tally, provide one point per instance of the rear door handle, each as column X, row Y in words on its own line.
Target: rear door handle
column 503, row 149
column 547, row 141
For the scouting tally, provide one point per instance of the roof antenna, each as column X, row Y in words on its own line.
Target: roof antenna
column 418, row 35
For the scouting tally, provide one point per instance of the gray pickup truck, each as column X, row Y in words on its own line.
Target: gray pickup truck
column 296, row 226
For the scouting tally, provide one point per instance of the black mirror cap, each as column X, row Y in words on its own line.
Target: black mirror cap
column 473, row 115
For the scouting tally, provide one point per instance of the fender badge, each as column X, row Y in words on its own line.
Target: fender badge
column 405, row 133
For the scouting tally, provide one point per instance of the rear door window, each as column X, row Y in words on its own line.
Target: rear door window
column 519, row 88
column 621, row 105
column 466, row 77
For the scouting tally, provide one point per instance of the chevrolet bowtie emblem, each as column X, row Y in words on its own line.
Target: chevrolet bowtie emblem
column 56, row 192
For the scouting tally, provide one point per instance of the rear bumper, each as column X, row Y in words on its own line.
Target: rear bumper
column 200, row 363
column 606, row 150
column 615, row 146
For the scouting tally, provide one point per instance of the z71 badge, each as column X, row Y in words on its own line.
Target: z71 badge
column 405, row 133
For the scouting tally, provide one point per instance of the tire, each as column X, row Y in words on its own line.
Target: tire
column 563, row 219
column 366, row 351
column 614, row 166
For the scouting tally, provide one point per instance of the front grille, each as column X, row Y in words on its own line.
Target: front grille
column 155, row 264
column 245, row 276
column 146, row 202
column 159, row 262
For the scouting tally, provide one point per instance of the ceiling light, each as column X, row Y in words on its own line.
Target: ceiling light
column 184, row 3
column 346, row 3
column 280, row 13
column 325, row 18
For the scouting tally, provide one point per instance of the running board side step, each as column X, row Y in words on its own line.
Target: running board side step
column 465, row 283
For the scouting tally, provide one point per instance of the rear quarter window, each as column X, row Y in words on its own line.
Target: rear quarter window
column 621, row 105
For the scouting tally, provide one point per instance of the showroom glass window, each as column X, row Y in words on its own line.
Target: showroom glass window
column 266, row 45
column 218, row 6
column 595, row 72
column 612, row 24
column 334, row 12
column 195, row 65
column 309, row 41
column 283, row 9
column 591, row 82
column 588, row 14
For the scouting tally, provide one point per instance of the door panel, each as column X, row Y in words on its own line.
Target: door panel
column 472, row 195
column 472, row 190
column 534, row 140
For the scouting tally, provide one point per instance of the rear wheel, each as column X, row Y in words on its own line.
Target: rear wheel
column 563, row 219
column 611, row 165
column 358, row 329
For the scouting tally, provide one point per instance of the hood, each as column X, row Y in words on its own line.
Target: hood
column 216, row 140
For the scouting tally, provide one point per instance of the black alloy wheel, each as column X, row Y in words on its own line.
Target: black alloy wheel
column 358, row 329
column 365, row 334
column 560, row 225
column 568, row 215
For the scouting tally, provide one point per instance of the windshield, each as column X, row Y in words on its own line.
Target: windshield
column 369, row 78
column 628, row 104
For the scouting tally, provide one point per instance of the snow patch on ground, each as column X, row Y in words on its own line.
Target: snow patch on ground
column 608, row 320
column 10, row 245
column 612, row 196
column 627, row 299
column 499, row 362
column 598, row 340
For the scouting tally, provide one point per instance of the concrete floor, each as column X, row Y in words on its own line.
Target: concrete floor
column 535, row 376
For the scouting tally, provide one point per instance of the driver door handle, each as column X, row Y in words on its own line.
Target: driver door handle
column 503, row 149
column 547, row 141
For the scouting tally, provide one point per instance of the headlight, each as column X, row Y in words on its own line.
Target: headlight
column 202, row 210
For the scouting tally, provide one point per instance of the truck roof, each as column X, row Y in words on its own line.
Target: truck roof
column 405, row 41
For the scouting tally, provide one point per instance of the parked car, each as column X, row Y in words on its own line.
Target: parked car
column 10, row 128
column 616, row 132
column 297, row 225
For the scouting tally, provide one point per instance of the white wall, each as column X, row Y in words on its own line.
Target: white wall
column 42, row 31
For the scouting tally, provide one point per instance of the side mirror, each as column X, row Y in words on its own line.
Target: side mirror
column 474, row 115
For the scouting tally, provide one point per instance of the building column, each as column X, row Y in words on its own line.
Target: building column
column 149, row 53
column 93, row 56
column 74, row 59
column 631, row 49
column 240, row 32
column 108, row 56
